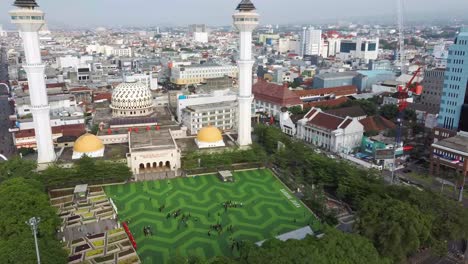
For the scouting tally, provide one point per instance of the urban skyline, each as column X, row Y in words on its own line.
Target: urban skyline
column 88, row 13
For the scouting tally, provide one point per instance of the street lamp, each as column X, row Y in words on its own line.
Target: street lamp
column 33, row 223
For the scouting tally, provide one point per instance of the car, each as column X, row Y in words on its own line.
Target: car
column 331, row 156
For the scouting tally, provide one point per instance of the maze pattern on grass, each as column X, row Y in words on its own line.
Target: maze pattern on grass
column 268, row 210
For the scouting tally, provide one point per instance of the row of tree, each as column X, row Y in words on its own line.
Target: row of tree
column 398, row 220
column 335, row 247
column 196, row 160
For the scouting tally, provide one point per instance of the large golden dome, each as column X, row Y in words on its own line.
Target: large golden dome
column 88, row 143
column 209, row 134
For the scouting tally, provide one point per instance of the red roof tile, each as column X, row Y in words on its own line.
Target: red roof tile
column 66, row 130
column 48, row 86
column 337, row 91
column 274, row 93
column 328, row 103
column 326, row 121
column 376, row 123
column 103, row 96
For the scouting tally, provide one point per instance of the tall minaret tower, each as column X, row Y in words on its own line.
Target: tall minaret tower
column 245, row 20
column 29, row 21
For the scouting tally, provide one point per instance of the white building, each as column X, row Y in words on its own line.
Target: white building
column 118, row 51
column 56, row 102
column 194, row 74
column 330, row 132
column 150, row 80
column 3, row 33
column 220, row 115
column 359, row 48
column 200, row 37
column 74, row 62
column 220, row 96
column 288, row 45
column 311, row 41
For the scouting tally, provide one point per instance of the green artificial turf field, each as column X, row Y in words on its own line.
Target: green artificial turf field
column 268, row 209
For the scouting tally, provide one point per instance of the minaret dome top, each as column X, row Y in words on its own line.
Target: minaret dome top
column 245, row 5
column 26, row 3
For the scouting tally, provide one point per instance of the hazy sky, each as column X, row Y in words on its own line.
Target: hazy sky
column 218, row 12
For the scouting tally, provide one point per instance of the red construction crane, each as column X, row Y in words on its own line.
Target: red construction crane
column 407, row 91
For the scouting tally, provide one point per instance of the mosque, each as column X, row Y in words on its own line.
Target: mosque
column 133, row 130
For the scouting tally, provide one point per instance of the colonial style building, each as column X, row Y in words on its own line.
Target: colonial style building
column 270, row 98
column 330, row 132
column 450, row 155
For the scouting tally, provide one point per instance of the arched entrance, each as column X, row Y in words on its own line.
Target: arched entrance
column 168, row 164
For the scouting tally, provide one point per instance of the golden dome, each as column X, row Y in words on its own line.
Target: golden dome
column 209, row 134
column 88, row 143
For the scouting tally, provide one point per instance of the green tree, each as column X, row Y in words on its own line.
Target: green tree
column 295, row 110
column 21, row 199
column 334, row 247
column 397, row 228
column 17, row 167
column 389, row 111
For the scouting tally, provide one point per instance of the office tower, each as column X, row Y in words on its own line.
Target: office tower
column 455, row 95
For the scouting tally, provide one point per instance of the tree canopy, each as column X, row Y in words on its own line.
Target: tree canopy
column 22, row 199
column 386, row 214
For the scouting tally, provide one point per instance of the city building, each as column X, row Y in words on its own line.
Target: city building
column 220, row 115
column 335, row 79
column 217, row 96
column 270, row 98
column 245, row 20
column 359, row 48
column 30, row 20
column 194, row 74
column 450, row 156
column 333, row 133
column 316, row 95
column 199, row 33
column 149, row 79
column 311, row 41
column 431, row 96
column 455, row 91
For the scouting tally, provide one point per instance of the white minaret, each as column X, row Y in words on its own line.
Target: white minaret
column 245, row 20
column 29, row 21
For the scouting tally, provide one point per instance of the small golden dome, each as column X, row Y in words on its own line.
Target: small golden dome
column 88, row 143
column 209, row 134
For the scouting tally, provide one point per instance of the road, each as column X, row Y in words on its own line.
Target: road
column 6, row 140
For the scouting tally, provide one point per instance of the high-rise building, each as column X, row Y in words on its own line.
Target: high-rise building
column 29, row 21
column 455, row 95
column 433, row 84
column 311, row 41
column 245, row 20
column 359, row 48
column 199, row 33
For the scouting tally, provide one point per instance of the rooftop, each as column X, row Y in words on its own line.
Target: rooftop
column 352, row 111
column 274, row 93
column 337, row 75
column 456, row 143
column 151, row 139
column 297, row 234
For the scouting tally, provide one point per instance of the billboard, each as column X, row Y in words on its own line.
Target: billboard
column 382, row 154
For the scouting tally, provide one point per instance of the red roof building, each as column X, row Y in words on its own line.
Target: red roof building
column 27, row 138
column 334, row 133
column 271, row 97
column 377, row 123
